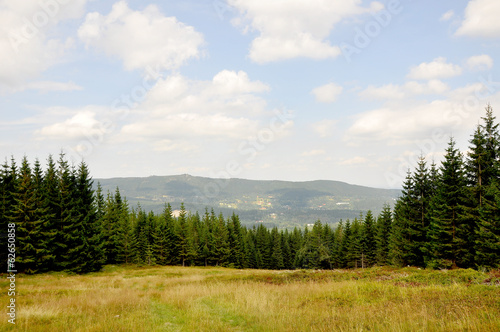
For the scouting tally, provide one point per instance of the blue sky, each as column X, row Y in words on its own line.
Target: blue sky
column 259, row 89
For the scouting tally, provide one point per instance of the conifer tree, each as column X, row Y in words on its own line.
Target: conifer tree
column 400, row 241
column 51, row 196
column 235, row 241
column 445, row 242
column 68, row 222
column 277, row 251
column 368, row 244
column 182, row 235
column 87, row 253
column 487, row 253
column 383, row 231
column 26, row 218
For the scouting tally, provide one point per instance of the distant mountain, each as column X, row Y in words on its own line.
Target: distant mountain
column 280, row 203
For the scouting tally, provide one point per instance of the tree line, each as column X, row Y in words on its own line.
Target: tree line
column 447, row 216
column 450, row 216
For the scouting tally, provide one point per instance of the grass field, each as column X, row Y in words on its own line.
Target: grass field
column 128, row 298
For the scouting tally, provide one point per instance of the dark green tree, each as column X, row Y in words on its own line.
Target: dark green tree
column 383, row 231
column 445, row 243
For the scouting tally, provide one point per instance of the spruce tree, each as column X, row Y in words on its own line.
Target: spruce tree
column 401, row 245
column 383, row 231
column 67, row 225
column 28, row 224
column 87, row 253
column 487, row 253
column 52, row 202
column 277, row 250
column 446, row 238
column 368, row 244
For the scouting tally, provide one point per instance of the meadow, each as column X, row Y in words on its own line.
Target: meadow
column 132, row 298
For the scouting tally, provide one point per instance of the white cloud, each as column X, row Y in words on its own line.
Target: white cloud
column 327, row 93
column 409, row 89
column 26, row 47
column 403, row 123
column 432, row 86
column 171, row 145
column 389, row 91
column 481, row 19
column 324, row 128
column 436, row 69
column 228, row 92
column 311, row 153
column 480, row 62
column 354, row 161
column 47, row 86
column 193, row 125
column 141, row 38
column 228, row 106
column 294, row 28
column 82, row 125
column 447, row 16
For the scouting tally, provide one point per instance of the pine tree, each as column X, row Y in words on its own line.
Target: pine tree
column 354, row 255
column 488, row 231
column 52, row 202
column 235, row 241
column 345, row 244
column 277, row 251
column 7, row 201
column 420, row 219
column 401, row 247
column 368, row 244
column 67, row 225
column 28, row 224
column 44, row 257
column 87, row 254
column 384, row 225
column 445, row 239
column 182, row 235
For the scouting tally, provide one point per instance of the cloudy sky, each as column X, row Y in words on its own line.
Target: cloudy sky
column 297, row 90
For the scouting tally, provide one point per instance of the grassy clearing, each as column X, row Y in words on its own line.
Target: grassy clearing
column 217, row 299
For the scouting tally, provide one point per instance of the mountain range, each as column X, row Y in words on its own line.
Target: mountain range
column 275, row 203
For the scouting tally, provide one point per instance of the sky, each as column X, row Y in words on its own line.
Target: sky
column 295, row 90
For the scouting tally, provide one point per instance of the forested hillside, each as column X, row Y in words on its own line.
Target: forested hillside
column 283, row 204
column 448, row 216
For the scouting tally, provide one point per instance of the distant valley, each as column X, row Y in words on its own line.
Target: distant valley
column 274, row 203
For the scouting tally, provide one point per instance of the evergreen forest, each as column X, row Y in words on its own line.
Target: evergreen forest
column 448, row 216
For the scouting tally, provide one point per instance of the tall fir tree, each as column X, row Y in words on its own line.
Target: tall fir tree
column 446, row 238
column 487, row 253
column 368, row 244
column 383, row 231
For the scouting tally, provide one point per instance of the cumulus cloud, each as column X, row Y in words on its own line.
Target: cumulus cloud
column 27, row 49
column 481, row 19
column 402, row 123
column 141, row 38
column 228, row 92
column 354, row 161
column 327, row 93
column 436, row 69
column 47, row 86
column 409, row 89
column 311, row 153
column 447, row 16
column 228, row 106
column 294, row 28
column 480, row 62
column 81, row 125
column 324, row 128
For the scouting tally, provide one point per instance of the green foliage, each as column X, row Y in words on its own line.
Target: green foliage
column 446, row 217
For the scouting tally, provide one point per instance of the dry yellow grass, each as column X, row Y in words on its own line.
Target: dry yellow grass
column 219, row 299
